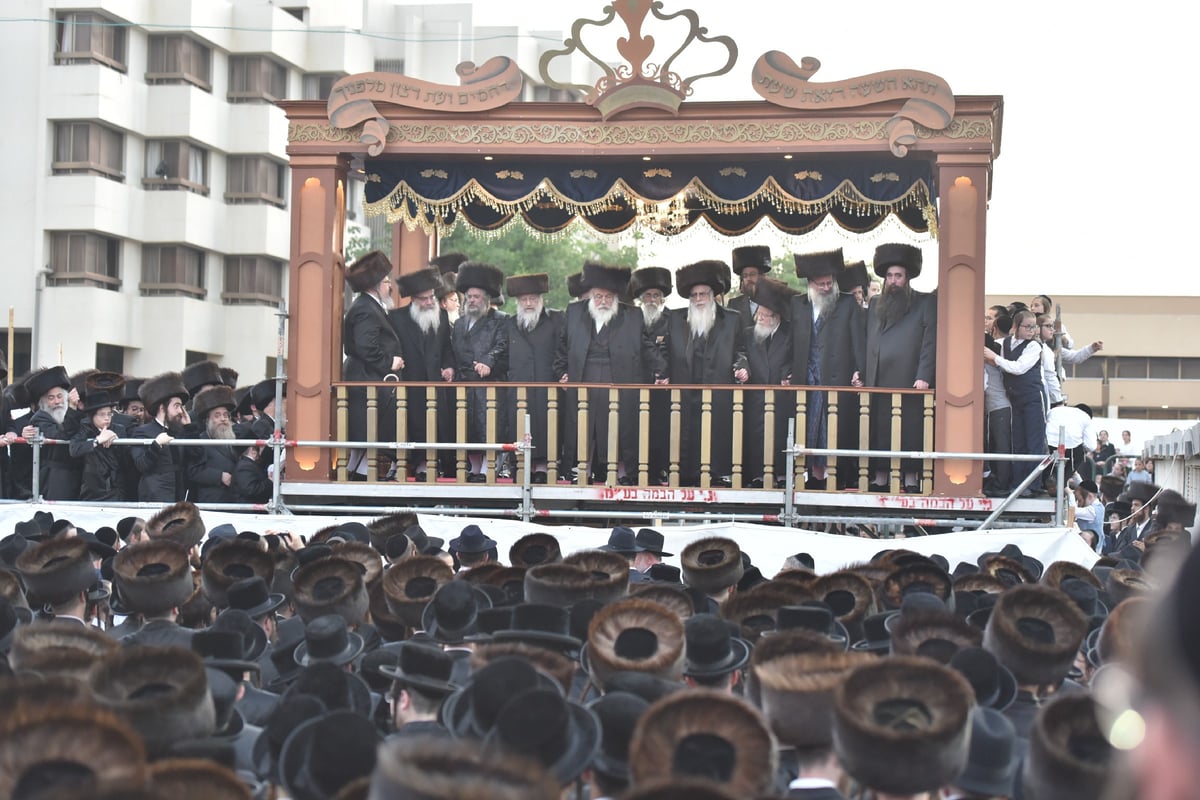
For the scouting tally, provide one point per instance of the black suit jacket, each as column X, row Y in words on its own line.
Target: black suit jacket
column 905, row 351
column 725, row 353
column 632, row 351
column 425, row 356
column 369, row 340
column 842, row 340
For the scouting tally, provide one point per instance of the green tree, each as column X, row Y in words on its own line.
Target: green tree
column 518, row 252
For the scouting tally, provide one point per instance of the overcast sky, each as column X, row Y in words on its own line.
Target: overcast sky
column 1095, row 104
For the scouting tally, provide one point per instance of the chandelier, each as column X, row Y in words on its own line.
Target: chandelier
column 666, row 218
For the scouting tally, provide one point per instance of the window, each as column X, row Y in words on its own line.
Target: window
column 395, row 65
column 172, row 269
column 254, row 78
column 176, row 165
column 254, row 179
column 176, row 58
column 1164, row 369
column 1092, row 368
column 317, row 86
column 110, row 358
column 82, row 258
column 87, row 37
column 1189, row 369
column 1131, row 367
column 253, row 280
column 88, row 148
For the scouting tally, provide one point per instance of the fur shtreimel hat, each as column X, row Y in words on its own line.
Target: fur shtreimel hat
column 1139, row 490
column 57, row 750
column 368, row 271
column 161, row 691
column 419, row 282
column 158, row 390
column 609, row 572
column 330, row 586
column 649, row 278
column 752, row 256
column 848, row 594
column 756, row 610
column 412, row 583
column 1058, row 571
column 565, row 585
column 212, row 398
column 153, row 577
column 102, row 389
column 474, row 275
column 928, row 578
column 775, row 295
column 933, row 634
column 635, row 635
column 575, row 285
column 59, row 647
column 533, row 549
column 1035, row 631
column 902, row 724
column 447, row 263
column 706, row 734
column 230, row 562
column 40, row 381
column 897, row 255
column 853, row 275
column 57, row 570
column 449, row 769
column 179, row 523
column 188, row 778
column 1069, row 758
column 711, row 273
column 536, row 283
column 201, row 373
column 816, row 265
column 712, row 564
column 369, row 560
column 606, row 277
column 796, row 694
column 380, row 529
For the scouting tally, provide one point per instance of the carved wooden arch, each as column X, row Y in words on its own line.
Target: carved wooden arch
column 320, row 154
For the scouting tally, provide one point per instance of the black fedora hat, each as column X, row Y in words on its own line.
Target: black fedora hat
column 472, row 710
column 325, row 753
column 253, row 596
column 622, row 540
column 471, row 540
column 711, row 648
column 542, row 725
column 994, row 757
column 618, row 713
column 994, row 685
column 540, row 624
column 452, row 614
column 283, row 721
column 223, row 650
column 424, row 667
column 334, row 686
column 254, row 641
column 328, row 638
column 652, row 541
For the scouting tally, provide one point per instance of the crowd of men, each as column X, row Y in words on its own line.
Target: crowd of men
column 77, row 418
column 618, row 331
column 158, row 658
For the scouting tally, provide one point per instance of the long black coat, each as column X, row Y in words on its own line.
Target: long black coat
column 531, row 357
column 896, row 356
column 769, row 364
column 161, row 468
column 61, row 473
column 203, row 467
column 370, row 344
column 486, row 343
column 104, row 476
column 425, row 356
column 724, row 352
column 20, row 462
column 632, row 357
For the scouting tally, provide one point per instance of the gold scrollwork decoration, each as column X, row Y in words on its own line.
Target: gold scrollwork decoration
column 727, row 171
column 880, row 177
column 658, row 172
column 435, row 173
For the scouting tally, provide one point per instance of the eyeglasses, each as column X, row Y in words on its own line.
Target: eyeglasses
column 1029, row 327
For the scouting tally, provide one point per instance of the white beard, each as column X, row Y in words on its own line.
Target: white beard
column 57, row 414
column 427, row 320
column 652, row 314
column 219, row 430
column 764, row 332
column 452, row 315
column 387, row 300
column 601, row 316
column 822, row 303
column 527, row 319
column 701, row 322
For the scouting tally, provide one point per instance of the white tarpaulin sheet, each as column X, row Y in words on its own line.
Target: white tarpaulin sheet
column 766, row 545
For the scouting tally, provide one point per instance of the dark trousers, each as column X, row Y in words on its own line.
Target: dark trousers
column 1000, row 441
column 1028, row 435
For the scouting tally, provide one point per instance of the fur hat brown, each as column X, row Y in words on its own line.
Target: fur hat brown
column 1069, row 758
column 533, row 549
column 59, row 749
column 978, row 582
column 40, row 381
column 475, row 275
column 102, row 389
column 368, row 270
column 1141, row 491
column 852, row 275
column 448, row 769
column 196, row 779
column 367, row 557
column 412, row 284
column 57, row 570
column 213, row 397
column 796, row 694
column 556, row 665
column 179, row 523
column 153, row 577
column 707, row 734
column 1122, row 631
column 897, row 255
column 679, row 789
column 380, row 529
column 755, row 610
column 936, row 635
column 1125, row 583
column 535, row 283
column 230, row 562
column 712, row 564
column 59, row 647
column 1035, row 631
column 711, row 273
column 816, row 265
column 902, row 724
column 779, row 644
column 605, row 276
column 330, row 586
column 847, row 593
column 775, row 295
column 667, row 595
column 447, row 263
column 410, row 584
column 609, row 571
column 649, row 278
column 575, row 284
column 156, row 391
column 1058, row 571
column 161, row 691
column 916, row 577
column 635, row 635
column 751, row 256
column 1008, row 571
column 200, row 374
column 561, row 584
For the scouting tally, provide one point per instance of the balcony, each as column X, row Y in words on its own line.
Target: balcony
column 186, row 111
column 91, row 203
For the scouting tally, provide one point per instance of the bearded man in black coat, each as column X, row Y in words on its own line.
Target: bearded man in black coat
column 769, row 357
column 604, row 342
column 424, row 332
column 480, row 352
column 210, row 469
column 706, row 345
column 57, row 417
column 533, row 334
column 649, row 288
column 160, row 466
